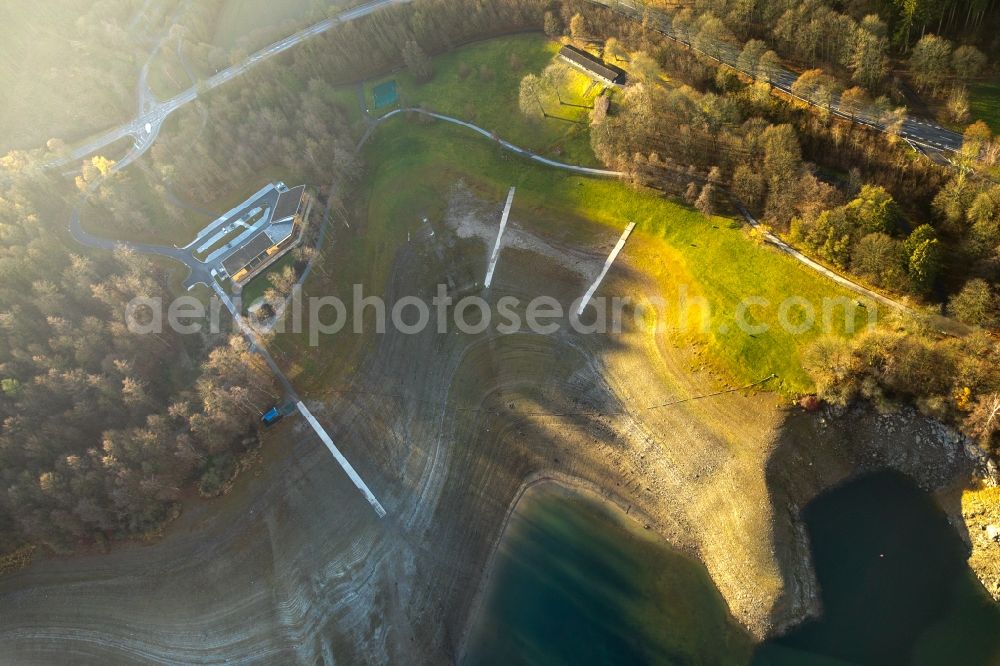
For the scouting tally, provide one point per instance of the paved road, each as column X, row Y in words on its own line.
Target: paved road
column 146, row 126
column 535, row 157
column 198, row 272
column 926, row 134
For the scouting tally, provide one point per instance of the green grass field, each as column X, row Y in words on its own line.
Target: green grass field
column 984, row 103
column 256, row 287
column 480, row 83
column 673, row 245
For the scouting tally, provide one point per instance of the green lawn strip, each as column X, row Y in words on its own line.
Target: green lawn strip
column 984, row 102
column 256, row 287
column 710, row 257
column 489, row 98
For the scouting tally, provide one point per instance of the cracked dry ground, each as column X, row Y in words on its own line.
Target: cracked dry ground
column 294, row 567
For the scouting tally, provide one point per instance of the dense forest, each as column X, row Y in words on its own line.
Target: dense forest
column 72, row 49
column 101, row 427
column 858, row 201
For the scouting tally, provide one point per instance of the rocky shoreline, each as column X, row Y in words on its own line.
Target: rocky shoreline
column 848, row 443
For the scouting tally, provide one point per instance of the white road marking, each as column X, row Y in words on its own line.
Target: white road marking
column 264, row 220
column 607, row 265
column 369, row 495
column 222, row 219
column 229, row 228
column 496, row 247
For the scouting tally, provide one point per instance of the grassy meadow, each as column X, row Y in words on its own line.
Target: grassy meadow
column 480, row 83
column 984, row 104
column 675, row 246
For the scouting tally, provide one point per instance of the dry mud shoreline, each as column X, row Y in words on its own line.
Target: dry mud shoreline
column 293, row 567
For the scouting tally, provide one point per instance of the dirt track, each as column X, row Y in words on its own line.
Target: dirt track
column 294, row 567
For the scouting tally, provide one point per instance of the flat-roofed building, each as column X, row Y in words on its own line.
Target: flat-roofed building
column 271, row 241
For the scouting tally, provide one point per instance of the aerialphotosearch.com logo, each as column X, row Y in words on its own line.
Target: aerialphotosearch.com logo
column 320, row 316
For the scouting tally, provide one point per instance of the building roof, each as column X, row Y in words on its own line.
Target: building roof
column 592, row 64
column 279, row 231
column 246, row 253
column 288, row 204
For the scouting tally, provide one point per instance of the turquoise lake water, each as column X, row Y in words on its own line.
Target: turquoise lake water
column 894, row 584
column 576, row 582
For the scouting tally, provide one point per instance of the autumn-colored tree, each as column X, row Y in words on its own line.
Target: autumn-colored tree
column 874, row 210
column 967, row 62
column 553, row 26
column 817, row 87
column 706, row 200
column 869, row 61
column 925, row 265
column 930, row 62
column 957, row 104
column 748, row 185
column 977, row 304
column 614, row 50
column 530, row 97
column 644, row 68
column 881, row 260
column 749, row 58
column 854, row 100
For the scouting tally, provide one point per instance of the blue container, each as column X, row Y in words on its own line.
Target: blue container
column 272, row 416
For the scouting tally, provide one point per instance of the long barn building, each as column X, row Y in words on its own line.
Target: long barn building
column 592, row 66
